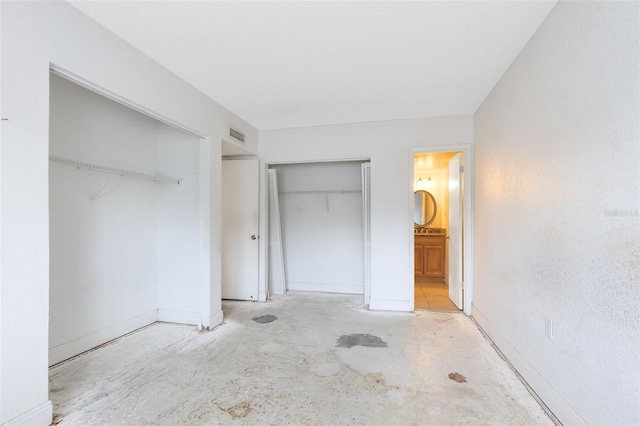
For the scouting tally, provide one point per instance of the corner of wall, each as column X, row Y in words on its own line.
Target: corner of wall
column 213, row 321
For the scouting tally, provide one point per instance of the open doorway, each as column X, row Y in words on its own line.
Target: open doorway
column 438, row 231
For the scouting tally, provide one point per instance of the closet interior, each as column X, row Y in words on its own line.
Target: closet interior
column 124, row 221
column 321, row 226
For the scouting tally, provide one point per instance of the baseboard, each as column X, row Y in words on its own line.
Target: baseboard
column 547, row 394
column 179, row 317
column 37, row 416
column 81, row 344
column 325, row 288
column 214, row 321
column 390, row 305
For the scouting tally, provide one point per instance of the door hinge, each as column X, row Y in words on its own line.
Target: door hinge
column 462, row 285
column 461, row 169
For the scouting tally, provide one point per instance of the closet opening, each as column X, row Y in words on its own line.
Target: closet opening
column 124, row 216
column 318, row 226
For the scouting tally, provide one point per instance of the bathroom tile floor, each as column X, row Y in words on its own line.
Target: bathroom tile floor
column 433, row 296
column 301, row 359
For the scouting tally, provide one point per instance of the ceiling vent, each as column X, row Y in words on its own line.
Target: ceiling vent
column 236, row 135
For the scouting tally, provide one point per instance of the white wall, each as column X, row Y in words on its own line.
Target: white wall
column 102, row 229
column 441, row 193
column 321, row 207
column 439, row 189
column 557, row 188
column 34, row 35
column 179, row 229
column 389, row 147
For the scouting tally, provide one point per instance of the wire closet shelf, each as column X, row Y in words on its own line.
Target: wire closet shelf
column 113, row 170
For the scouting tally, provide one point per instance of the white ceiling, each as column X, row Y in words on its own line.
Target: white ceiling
column 307, row 63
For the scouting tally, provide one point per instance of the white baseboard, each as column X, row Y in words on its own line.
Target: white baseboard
column 81, row 344
column 325, row 288
column 40, row 415
column 390, row 305
column 556, row 404
column 214, row 321
column 179, row 317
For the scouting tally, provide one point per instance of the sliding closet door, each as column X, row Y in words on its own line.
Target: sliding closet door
column 366, row 229
column 277, row 281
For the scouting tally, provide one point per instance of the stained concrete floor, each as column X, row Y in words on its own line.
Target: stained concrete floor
column 304, row 365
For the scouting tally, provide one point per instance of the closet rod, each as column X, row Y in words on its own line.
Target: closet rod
column 114, row 171
column 322, row 192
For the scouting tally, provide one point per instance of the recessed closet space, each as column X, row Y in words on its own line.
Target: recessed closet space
column 321, row 216
column 123, row 221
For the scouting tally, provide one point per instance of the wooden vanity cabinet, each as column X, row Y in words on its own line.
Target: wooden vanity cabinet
column 429, row 256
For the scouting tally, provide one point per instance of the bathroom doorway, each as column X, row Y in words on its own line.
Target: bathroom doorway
column 438, row 231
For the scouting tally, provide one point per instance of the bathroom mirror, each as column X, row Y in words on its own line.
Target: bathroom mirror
column 425, row 208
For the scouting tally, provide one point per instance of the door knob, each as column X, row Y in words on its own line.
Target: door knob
column 253, row 237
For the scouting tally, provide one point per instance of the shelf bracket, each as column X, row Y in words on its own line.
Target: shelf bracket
column 100, row 194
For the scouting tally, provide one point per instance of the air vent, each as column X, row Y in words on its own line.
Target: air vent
column 237, row 135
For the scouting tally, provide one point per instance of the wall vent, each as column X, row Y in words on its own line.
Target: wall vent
column 236, row 135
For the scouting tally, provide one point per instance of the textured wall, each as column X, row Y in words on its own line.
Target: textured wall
column 557, row 211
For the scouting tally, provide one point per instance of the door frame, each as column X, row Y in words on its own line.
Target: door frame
column 467, row 215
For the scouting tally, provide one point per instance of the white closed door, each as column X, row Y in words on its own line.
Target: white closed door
column 455, row 231
column 240, row 229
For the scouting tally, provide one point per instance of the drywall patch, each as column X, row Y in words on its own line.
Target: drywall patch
column 265, row 319
column 368, row 340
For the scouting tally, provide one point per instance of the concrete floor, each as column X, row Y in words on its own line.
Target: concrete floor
column 300, row 369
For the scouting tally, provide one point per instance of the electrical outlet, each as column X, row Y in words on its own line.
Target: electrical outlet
column 548, row 327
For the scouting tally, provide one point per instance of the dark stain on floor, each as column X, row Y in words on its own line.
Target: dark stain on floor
column 368, row 340
column 264, row 319
column 240, row 410
column 457, row 377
